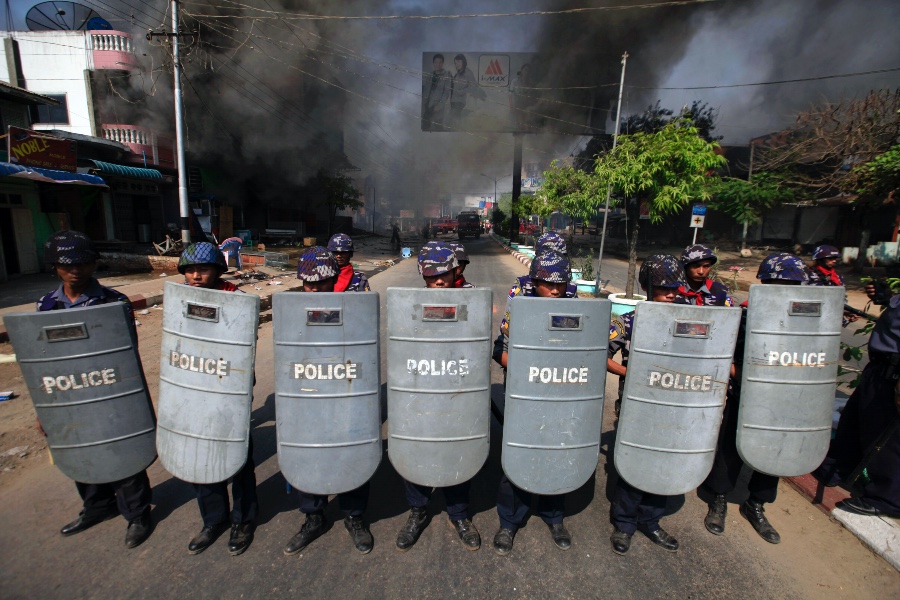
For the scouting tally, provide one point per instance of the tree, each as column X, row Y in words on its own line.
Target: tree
column 879, row 179
column 701, row 115
column 667, row 169
column 746, row 201
column 337, row 193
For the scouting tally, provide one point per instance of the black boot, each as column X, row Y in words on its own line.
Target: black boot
column 241, row 538
column 561, row 536
column 621, row 541
column 82, row 522
column 503, row 541
column 314, row 526
column 414, row 527
column 467, row 532
column 138, row 531
column 360, row 534
column 206, row 537
column 715, row 518
column 754, row 512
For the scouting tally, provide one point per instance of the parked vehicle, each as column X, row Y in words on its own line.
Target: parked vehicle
column 468, row 225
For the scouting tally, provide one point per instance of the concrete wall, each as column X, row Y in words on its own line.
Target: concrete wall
column 54, row 62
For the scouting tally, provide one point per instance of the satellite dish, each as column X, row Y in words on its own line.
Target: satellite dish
column 61, row 16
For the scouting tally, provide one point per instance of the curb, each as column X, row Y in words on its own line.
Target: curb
column 525, row 260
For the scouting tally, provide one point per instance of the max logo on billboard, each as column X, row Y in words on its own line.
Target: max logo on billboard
column 494, row 73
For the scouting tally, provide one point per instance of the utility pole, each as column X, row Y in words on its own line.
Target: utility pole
column 749, row 180
column 609, row 188
column 183, row 205
column 516, row 186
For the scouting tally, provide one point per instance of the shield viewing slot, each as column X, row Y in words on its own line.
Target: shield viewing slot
column 66, row 333
column 205, row 313
column 569, row 322
column 323, row 316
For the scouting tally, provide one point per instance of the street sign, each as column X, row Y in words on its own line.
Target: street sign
column 698, row 209
column 697, row 220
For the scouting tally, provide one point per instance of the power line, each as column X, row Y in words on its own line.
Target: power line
column 777, row 82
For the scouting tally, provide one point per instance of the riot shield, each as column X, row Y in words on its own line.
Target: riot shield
column 206, row 381
column 674, row 396
column 439, row 350
column 554, row 392
column 327, row 389
column 85, row 378
column 791, row 352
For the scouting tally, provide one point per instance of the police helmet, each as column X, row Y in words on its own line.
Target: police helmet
column 551, row 267
column 783, row 265
column 340, row 242
column 202, row 253
column 70, row 248
column 825, row 251
column 696, row 253
column 317, row 264
column 462, row 257
column 661, row 271
column 436, row 258
column 551, row 242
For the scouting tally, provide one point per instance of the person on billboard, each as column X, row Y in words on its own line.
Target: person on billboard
column 462, row 85
column 435, row 96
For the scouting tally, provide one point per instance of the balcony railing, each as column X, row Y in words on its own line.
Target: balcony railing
column 111, row 40
column 147, row 146
column 128, row 134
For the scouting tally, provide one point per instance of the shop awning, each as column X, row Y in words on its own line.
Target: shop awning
column 123, row 171
column 49, row 175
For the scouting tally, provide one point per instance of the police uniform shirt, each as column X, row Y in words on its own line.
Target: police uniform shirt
column 886, row 334
column 818, row 275
column 92, row 295
column 711, row 293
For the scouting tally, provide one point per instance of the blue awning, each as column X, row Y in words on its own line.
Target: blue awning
column 49, row 175
column 122, row 170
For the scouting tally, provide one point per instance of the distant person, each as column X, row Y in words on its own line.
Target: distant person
column 395, row 234
column 203, row 265
column 436, row 96
column 462, row 86
column 232, row 245
column 74, row 259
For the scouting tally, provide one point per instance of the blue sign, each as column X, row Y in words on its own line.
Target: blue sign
column 698, row 209
column 481, row 204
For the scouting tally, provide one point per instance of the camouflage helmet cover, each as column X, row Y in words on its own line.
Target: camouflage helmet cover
column 436, row 258
column 340, row 242
column 551, row 267
column 317, row 264
column 661, row 271
column 552, row 242
column 825, row 251
column 70, row 248
column 202, row 253
column 696, row 253
column 461, row 255
column 783, row 266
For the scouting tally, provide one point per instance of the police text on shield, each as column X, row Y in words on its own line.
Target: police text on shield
column 64, row 383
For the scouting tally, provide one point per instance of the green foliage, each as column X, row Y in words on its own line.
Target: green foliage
column 880, row 177
column 668, row 168
column 747, row 201
column 568, row 190
column 701, row 116
column 585, row 263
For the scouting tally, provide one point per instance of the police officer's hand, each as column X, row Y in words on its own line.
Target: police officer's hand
column 37, row 424
column 870, row 290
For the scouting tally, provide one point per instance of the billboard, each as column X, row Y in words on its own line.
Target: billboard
column 513, row 92
column 33, row 149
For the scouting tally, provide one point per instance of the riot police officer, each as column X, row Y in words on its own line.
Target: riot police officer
column 74, row 259
column 548, row 277
column 437, row 263
column 321, row 271
column 661, row 276
column 203, row 265
column 699, row 289
column 348, row 280
column 871, row 417
column 462, row 258
column 781, row 269
column 822, row 271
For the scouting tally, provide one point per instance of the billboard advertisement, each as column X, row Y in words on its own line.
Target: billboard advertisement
column 34, row 149
column 512, row 92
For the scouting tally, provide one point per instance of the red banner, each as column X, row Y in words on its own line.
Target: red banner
column 34, row 149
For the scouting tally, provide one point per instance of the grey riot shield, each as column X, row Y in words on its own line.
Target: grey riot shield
column 206, row 381
column 327, row 389
column 439, row 403
column 554, row 392
column 84, row 375
column 674, row 397
column 791, row 351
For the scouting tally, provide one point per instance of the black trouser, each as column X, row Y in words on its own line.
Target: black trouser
column 868, row 411
column 455, row 496
column 727, row 463
column 352, row 503
column 131, row 496
column 632, row 509
column 213, row 497
column 513, row 504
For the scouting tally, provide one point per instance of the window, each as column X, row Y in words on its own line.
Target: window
column 54, row 114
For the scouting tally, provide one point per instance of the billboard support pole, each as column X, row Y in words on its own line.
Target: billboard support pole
column 516, row 186
column 609, row 188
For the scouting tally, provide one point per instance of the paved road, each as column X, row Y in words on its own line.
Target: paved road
column 817, row 556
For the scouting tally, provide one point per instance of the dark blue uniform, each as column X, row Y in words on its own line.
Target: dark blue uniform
column 130, row 496
column 868, row 411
